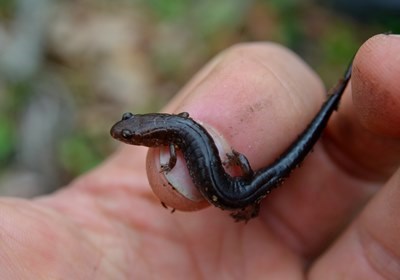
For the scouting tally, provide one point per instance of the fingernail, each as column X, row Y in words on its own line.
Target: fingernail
column 178, row 179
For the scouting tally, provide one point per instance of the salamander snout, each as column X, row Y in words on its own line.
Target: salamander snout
column 119, row 131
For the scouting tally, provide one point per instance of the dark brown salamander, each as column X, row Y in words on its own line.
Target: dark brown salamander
column 241, row 194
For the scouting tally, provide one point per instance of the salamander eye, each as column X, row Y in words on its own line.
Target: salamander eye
column 127, row 116
column 126, row 133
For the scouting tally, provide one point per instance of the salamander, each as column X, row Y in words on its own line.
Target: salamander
column 240, row 194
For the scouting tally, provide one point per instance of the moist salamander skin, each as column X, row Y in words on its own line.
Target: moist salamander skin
column 241, row 194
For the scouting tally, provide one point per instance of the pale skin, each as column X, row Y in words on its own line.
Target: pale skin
column 336, row 217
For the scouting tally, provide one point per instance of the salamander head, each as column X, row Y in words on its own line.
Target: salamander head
column 136, row 129
column 127, row 130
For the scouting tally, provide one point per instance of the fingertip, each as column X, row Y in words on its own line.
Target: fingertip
column 175, row 188
column 376, row 83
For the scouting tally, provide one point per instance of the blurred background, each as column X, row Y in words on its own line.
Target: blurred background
column 69, row 69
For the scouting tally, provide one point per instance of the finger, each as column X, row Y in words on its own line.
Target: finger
column 370, row 248
column 351, row 165
column 364, row 137
column 241, row 95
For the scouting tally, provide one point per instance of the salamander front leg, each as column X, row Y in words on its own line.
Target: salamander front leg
column 167, row 167
column 184, row 115
column 236, row 158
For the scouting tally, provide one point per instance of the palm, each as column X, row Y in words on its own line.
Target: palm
column 113, row 225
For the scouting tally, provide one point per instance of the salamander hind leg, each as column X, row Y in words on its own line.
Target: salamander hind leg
column 246, row 213
column 238, row 159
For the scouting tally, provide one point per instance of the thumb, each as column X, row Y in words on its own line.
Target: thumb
column 249, row 96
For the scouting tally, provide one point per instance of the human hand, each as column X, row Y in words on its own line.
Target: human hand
column 109, row 225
